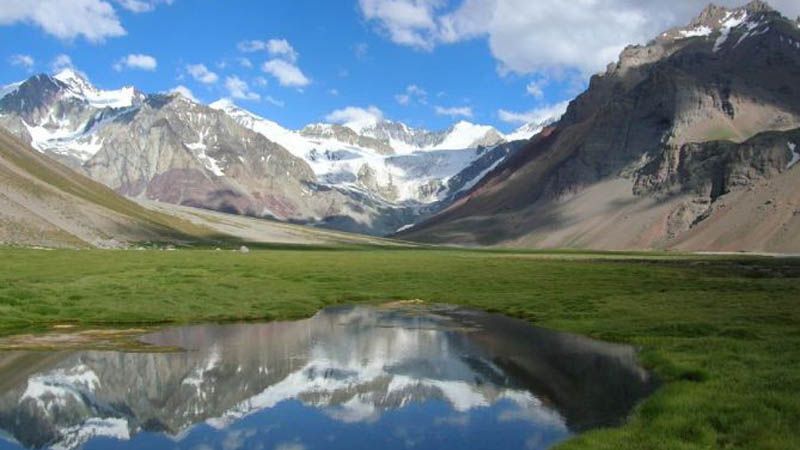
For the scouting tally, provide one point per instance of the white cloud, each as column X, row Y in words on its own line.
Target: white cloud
column 282, row 48
column 537, row 115
column 403, row 99
column 528, row 36
column 94, row 20
column 238, row 89
column 25, row 61
column 136, row 61
column 333, row 92
column 201, row 73
column 282, row 65
column 536, row 88
column 140, row 6
column 461, row 111
column 279, row 48
column 272, row 100
column 407, row 22
column 286, row 73
column 412, row 93
column 355, row 117
column 61, row 62
column 261, row 81
column 245, row 62
column 184, row 91
column 290, row 446
column 251, row 46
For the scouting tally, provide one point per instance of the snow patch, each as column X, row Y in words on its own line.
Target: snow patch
column 404, row 228
column 695, row 32
column 728, row 23
column 76, row 437
column 414, row 174
column 199, row 149
column 59, row 386
column 80, row 88
column 463, row 135
column 9, row 89
column 795, row 155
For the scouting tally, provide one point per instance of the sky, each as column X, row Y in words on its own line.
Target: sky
column 428, row 63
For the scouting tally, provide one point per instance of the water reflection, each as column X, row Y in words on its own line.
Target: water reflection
column 355, row 377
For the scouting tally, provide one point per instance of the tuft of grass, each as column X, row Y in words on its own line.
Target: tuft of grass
column 722, row 332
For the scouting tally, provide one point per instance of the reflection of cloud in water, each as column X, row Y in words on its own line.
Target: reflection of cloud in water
column 290, row 446
column 351, row 365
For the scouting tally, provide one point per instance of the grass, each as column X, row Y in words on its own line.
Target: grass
column 722, row 332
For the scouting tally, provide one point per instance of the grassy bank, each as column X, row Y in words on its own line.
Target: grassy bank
column 723, row 332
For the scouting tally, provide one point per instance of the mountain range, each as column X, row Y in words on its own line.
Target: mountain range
column 688, row 142
column 372, row 177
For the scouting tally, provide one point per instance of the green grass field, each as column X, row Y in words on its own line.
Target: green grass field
column 722, row 332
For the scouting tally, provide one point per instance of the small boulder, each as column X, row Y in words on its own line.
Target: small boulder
column 244, row 249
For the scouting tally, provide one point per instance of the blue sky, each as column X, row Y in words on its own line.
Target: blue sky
column 425, row 62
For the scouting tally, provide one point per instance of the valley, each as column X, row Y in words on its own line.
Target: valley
column 468, row 224
column 718, row 331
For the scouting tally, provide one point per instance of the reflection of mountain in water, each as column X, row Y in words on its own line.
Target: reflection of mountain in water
column 352, row 364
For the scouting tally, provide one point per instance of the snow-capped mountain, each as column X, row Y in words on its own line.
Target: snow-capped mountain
column 373, row 176
column 395, row 165
column 679, row 144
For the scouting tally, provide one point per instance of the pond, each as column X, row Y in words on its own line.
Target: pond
column 387, row 377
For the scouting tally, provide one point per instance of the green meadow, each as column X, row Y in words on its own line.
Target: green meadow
column 722, row 333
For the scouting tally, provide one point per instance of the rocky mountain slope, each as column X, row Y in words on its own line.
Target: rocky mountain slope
column 688, row 142
column 45, row 203
column 371, row 177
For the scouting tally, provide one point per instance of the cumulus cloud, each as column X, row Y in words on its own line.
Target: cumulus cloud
column 245, row 62
column 61, row 62
column 280, row 48
column 460, row 111
column 286, row 73
column 536, row 88
column 282, row 64
column 136, row 61
column 238, row 89
column 407, row 22
column 537, row 115
column 184, row 91
column 538, row 36
column 25, row 61
column 201, row 73
column 411, row 94
column 355, row 117
column 94, row 20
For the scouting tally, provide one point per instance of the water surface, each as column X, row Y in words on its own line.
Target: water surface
column 349, row 378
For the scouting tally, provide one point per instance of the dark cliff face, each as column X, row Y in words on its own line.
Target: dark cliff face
column 727, row 76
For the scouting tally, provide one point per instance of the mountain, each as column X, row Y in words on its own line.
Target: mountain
column 45, row 203
column 374, row 177
column 687, row 142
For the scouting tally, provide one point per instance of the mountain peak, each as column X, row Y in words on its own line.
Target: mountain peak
column 224, row 104
column 73, row 78
column 758, row 6
column 710, row 13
